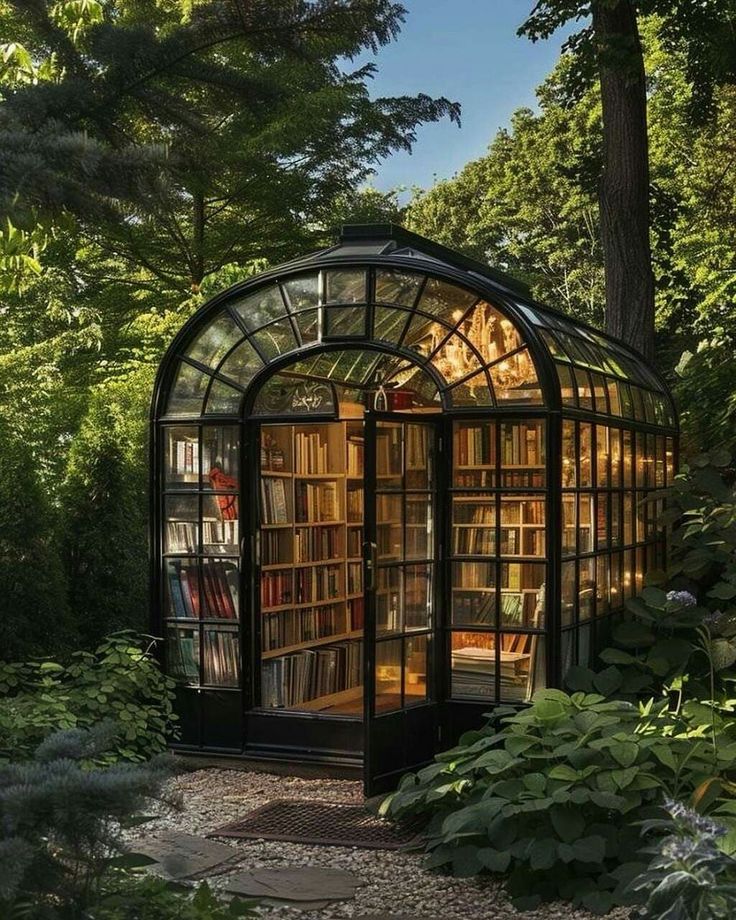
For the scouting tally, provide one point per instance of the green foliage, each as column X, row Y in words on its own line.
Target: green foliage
column 689, row 876
column 61, row 824
column 130, row 898
column 120, row 681
column 550, row 796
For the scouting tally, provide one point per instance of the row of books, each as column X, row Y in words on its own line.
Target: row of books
column 355, row 456
column 355, row 577
column 292, row 627
column 475, row 479
column 276, row 589
column 316, row 502
column 521, row 445
column 474, row 541
column 217, row 587
column 356, row 613
column 355, row 505
column 311, row 453
column 291, row 680
column 522, row 479
column 528, row 541
column 185, row 454
column 314, row 544
column 354, row 542
column 475, row 446
column 221, row 657
column 317, row 583
column 274, row 508
column 276, row 547
column 217, row 536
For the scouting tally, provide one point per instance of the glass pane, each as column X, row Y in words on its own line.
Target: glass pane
column 388, row 325
column 628, row 518
column 614, row 397
column 389, row 527
column 242, row 364
column 515, row 380
column 567, row 611
column 585, row 389
column 220, row 525
column 425, row 335
column 388, row 675
column 187, row 394
column 473, row 525
column 659, row 466
column 389, row 456
column 585, row 523
column 670, row 460
column 419, row 543
column 345, row 285
column 454, row 359
column 615, row 509
column 182, row 524
column 473, row 665
column 586, row 588
column 345, row 321
column 627, row 403
column 447, row 301
column 600, row 399
column 602, row 516
column 603, row 452
column 182, row 654
column 523, row 455
column 568, row 388
column 617, row 597
column 308, row 325
column 181, row 452
column 522, row 526
column 302, row 292
column 602, row 585
column 215, row 341
column 523, row 666
column 395, row 286
column 569, row 455
column 220, row 588
column 586, row 454
column 628, row 575
column 569, row 525
column 474, row 454
column 473, row 392
column 260, row 308
column 628, row 459
column 223, row 399
column 417, row 596
column 284, row 395
column 474, row 594
column 275, row 340
column 419, row 441
column 415, row 670
column 221, row 451
column 615, row 445
column 181, row 589
column 221, row 656
column 523, row 594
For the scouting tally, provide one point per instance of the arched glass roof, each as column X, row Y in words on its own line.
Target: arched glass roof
column 387, row 309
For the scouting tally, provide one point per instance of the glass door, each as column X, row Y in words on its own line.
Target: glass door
column 401, row 571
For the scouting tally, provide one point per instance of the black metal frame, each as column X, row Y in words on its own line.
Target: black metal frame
column 206, row 708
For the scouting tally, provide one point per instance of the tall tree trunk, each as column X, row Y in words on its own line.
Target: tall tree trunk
column 624, row 187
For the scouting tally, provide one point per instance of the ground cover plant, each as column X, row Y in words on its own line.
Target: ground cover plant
column 119, row 681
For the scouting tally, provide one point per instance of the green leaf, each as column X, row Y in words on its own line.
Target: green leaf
column 494, row 860
column 723, row 591
column 542, row 854
column 590, row 849
column 568, row 823
column 608, row 682
column 564, row 773
column 624, row 752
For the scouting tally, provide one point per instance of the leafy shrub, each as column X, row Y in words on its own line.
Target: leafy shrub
column 551, row 795
column 689, row 877
column 149, row 898
column 120, row 681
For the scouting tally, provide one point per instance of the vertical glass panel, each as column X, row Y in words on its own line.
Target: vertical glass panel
column 567, row 611
column 586, row 653
column 473, row 665
column 616, row 463
column 603, row 454
column 255, row 310
column 389, row 527
column 389, row 325
column 568, row 651
column 220, row 525
column 345, row 285
column 602, row 518
column 302, row 292
column 181, row 457
column 600, row 399
column 523, row 455
column 474, row 454
column 641, row 568
column 586, row 589
column 628, row 574
column 615, row 509
column 215, row 341
column 515, row 380
column 585, row 389
column 395, row 286
column 182, row 654
column 568, row 387
column 221, row 656
column 181, row 589
column 242, row 364
column 617, row 598
column 419, row 544
column 669, row 460
column 586, row 454
column 389, row 666
column 220, row 453
column 187, row 393
column 419, row 456
column 641, row 517
column 275, row 340
column 602, row 586
column 474, row 594
column 650, row 457
column 522, row 595
column 389, row 614
column 659, row 462
column 389, row 456
column 473, row 525
column 614, row 397
column 522, row 666
column 220, row 588
column 639, row 413
column 415, row 670
column 569, row 455
column 417, row 596
column 345, row 321
column 569, row 525
column 223, row 399
column 627, row 402
column 585, row 523
column 182, row 524
column 522, row 526
column 628, row 459
column 628, row 518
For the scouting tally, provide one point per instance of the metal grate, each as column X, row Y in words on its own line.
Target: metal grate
column 328, row 823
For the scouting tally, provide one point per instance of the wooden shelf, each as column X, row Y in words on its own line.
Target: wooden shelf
column 312, row 643
column 279, row 474
column 332, row 699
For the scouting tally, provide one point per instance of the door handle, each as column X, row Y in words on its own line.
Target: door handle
column 369, row 563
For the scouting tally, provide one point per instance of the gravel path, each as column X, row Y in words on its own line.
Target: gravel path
column 396, row 882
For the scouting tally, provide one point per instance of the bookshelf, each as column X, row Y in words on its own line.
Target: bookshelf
column 311, row 499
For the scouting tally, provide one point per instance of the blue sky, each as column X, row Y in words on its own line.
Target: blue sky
column 468, row 51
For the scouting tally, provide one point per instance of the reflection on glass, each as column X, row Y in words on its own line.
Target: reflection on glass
column 275, row 339
column 223, row 399
column 603, row 453
column 415, row 670
column 221, row 656
column 522, row 594
column 182, row 524
column 515, row 379
column 215, row 340
column 242, row 364
column 255, row 310
column 599, row 393
column 473, row 665
column 418, row 456
column 220, row 524
column 418, row 527
column 568, row 389
column 473, row 392
column 389, row 612
column 614, row 396
column 586, row 454
column 345, row 285
column 616, row 463
column 187, row 393
column 628, row 459
column 389, row 456
column 308, row 325
column 602, row 585
column 568, row 593
column 221, row 449
column 389, row 527
column 345, row 321
column 417, row 596
column 302, row 292
column 569, row 455
column 388, row 675
column 523, row 668
column 182, row 654
column 628, row 575
column 585, row 523
column 615, row 508
column 628, row 518
column 395, row 286
column 181, row 463
column 181, row 589
column 220, row 588
column 474, row 593
column 586, row 589
column 617, row 598
column 602, row 517
column 444, row 300
column 389, row 325
column 473, row 525
column 569, row 525
column 585, row 389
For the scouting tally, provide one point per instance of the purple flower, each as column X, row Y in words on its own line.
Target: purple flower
column 683, row 598
column 712, row 619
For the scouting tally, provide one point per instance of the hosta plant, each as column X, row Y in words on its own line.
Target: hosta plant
column 551, row 796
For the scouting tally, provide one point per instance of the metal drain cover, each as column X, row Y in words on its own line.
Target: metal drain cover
column 328, row 823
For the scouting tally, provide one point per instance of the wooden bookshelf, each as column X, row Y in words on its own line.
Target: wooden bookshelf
column 319, row 506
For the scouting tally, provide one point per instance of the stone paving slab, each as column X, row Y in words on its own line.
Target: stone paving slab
column 306, row 886
column 180, row 856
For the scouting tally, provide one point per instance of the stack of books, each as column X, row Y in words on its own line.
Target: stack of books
column 298, row 678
